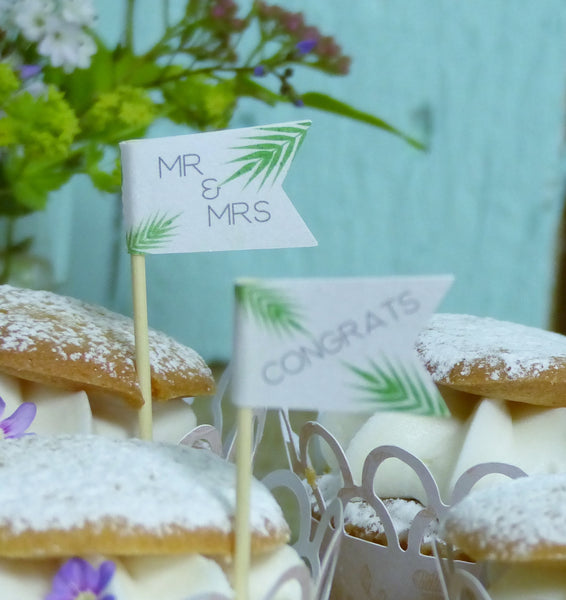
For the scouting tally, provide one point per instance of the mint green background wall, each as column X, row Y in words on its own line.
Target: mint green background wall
column 485, row 80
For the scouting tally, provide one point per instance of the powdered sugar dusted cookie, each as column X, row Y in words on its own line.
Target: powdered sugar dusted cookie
column 521, row 520
column 57, row 340
column 84, row 495
column 495, row 359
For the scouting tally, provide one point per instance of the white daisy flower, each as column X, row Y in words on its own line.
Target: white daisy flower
column 80, row 12
column 84, row 50
column 32, row 17
column 60, row 43
column 6, row 7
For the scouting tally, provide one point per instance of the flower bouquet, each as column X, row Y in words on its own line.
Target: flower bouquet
column 67, row 98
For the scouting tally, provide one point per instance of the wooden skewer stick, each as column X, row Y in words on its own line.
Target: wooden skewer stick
column 141, row 333
column 243, row 487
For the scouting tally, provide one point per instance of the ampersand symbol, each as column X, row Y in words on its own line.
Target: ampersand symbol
column 209, row 190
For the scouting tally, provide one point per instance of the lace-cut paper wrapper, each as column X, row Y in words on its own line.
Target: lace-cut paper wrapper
column 317, row 543
column 367, row 570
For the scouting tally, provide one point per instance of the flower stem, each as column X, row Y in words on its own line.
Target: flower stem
column 6, row 254
column 129, row 32
column 166, row 14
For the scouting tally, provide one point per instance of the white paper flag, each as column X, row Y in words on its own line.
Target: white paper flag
column 335, row 344
column 212, row 191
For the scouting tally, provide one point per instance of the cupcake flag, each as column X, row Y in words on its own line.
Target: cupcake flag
column 212, row 191
column 205, row 192
column 201, row 193
column 335, row 344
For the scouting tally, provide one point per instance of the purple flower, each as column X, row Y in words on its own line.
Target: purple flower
column 223, row 9
column 298, row 102
column 293, row 21
column 28, row 71
column 306, row 46
column 218, row 12
column 16, row 424
column 259, row 71
column 79, row 580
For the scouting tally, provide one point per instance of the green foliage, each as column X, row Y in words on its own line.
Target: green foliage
column 200, row 100
column 68, row 119
column 122, row 113
column 103, row 179
column 331, row 105
column 38, row 125
column 271, row 308
column 25, row 185
column 397, row 387
column 9, row 83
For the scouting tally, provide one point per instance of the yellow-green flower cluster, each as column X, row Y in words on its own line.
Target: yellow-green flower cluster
column 9, row 83
column 35, row 125
column 206, row 102
column 124, row 112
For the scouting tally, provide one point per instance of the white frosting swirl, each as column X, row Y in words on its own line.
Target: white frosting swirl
column 65, row 411
column 165, row 577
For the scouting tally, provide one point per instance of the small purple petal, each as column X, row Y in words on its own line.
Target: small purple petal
column 16, row 424
column 78, row 575
column 2, row 406
column 27, row 71
column 60, row 596
column 64, row 585
column 259, row 71
column 306, row 46
column 105, row 574
column 88, row 581
column 72, row 571
column 298, row 102
column 60, row 585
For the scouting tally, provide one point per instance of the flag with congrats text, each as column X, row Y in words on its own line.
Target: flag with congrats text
column 212, row 191
column 335, row 344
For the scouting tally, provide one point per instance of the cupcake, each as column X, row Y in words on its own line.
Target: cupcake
column 129, row 519
column 75, row 361
column 518, row 529
column 503, row 384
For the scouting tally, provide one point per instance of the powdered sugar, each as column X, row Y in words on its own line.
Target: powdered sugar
column 513, row 519
column 81, row 331
column 65, row 482
column 360, row 513
column 509, row 350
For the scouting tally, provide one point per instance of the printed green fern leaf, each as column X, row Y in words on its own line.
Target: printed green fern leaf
column 397, row 387
column 273, row 152
column 151, row 234
column 264, row 159
column 271, row 308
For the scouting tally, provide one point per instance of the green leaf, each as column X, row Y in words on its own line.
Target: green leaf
column 272, row 151
column 151, row 234
column 31, row 181
column 246, row 87
column 271, row 308
column 331, row 105
column 137, row 71
column 104, row 179
column 397, row 387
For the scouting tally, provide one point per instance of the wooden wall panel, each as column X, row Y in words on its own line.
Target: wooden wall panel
column 486, row 80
